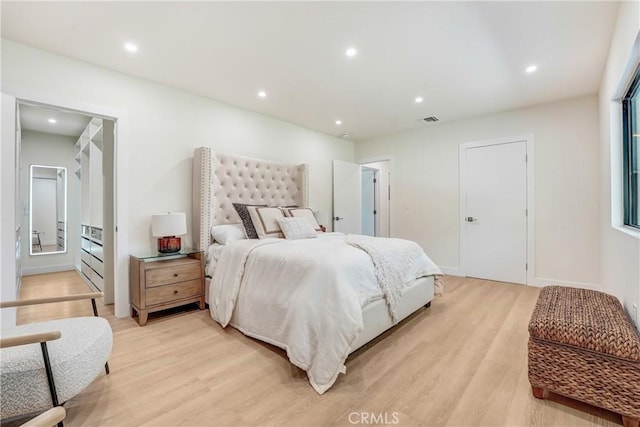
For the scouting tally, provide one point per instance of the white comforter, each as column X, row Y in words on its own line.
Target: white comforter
column 305, row 296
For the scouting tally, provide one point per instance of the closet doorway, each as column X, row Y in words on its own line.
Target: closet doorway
column 71, row 226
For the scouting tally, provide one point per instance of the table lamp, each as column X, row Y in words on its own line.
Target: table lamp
column 166, row 227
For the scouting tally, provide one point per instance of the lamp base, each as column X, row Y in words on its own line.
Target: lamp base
column 169, row 244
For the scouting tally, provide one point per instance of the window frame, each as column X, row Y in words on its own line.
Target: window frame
column 630, row 186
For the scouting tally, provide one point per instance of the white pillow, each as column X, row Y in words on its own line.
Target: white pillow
column 297, row 228
column 265, row 220
column 227, row 233
column 304, row 213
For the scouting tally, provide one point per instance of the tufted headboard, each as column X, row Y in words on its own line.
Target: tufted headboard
column 219, row 180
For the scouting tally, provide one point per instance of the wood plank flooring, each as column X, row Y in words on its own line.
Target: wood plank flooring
column 462, row 362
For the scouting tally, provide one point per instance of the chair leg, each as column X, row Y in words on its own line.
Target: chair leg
column 95, row 313
column 47, row 368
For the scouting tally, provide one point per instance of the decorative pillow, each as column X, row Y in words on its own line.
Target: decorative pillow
column 304, row 213
column 227, row 233
column 265, row 221
column 296, row 228
column 249, row 229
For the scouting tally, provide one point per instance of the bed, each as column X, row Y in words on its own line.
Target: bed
column 266, row 288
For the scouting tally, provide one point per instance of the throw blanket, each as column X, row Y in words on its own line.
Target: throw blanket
column 391, row 259
column 305, row 296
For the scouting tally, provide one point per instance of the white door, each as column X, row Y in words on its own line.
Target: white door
column 347, row 199
column 495, row 215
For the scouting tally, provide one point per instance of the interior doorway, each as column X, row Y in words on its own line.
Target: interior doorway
column 83, row 145
column 369, row 201
column 376, row 198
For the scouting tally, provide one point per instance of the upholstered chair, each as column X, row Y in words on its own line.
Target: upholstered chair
column 44, row 364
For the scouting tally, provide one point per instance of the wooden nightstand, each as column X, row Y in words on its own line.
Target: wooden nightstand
column 158, row 282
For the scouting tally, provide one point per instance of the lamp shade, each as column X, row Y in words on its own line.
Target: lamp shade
column 169, row 224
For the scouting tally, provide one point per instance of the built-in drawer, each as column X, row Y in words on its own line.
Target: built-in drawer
column 60, row 234
column 97, row 251
column 86, row 270
column 97, row 265
column 169, row 293
column 85, row 244
column 190, row 270
column 85, row 257
column 97, row 280
column 96, row 233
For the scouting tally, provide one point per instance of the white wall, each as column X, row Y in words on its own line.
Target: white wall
column 425, row 184
column 49, row 150
column 163, row 127
column 620, row 249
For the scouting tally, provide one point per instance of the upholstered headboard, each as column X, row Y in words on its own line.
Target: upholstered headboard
column 219, row 180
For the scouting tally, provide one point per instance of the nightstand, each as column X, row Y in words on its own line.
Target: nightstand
column 158, row 281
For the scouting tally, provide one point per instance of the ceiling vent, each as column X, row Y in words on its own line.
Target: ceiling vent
column 429, row 119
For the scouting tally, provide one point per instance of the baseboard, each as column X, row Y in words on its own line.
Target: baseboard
column 542, row 282
column 452, row 271
column 30, row 271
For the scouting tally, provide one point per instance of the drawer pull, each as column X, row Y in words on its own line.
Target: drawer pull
column 175, row 292
column 175, row 274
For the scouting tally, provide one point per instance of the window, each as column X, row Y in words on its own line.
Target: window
column 631, row 152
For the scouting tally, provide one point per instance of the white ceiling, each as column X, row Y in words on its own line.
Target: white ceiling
column 36, row 118
column 463, row 58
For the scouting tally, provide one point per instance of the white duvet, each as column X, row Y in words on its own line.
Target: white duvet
column 305, row 296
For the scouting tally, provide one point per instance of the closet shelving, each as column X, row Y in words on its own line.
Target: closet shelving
column 89, row 172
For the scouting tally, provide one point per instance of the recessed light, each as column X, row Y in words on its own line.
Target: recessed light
column 531, row 68
column 338, row 122
column 419, row 99
column 52, row 121
column 262, row 94
column 130, row 47
column 351, row 52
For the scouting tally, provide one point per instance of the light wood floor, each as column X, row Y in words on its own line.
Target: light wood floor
column 462, row 362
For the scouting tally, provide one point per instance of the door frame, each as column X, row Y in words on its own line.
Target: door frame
column 384, row 158
column 120, row 202
column 376, row 197
column 530, row 165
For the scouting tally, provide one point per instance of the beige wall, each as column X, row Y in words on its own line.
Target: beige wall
column 620, row 248
column 425, row 184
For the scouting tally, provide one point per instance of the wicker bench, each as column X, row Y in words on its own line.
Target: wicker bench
column 583, row 346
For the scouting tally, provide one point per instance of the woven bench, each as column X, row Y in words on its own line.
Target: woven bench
column 583, row 346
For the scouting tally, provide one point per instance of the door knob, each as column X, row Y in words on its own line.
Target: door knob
column 471, row 219
column 338, row 218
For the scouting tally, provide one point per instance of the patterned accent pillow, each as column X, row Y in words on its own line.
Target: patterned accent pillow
column 243, row 212
column 296, row 228
column 303, row 213
column 265, row 221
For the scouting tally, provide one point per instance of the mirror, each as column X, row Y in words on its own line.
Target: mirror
column 48, row 209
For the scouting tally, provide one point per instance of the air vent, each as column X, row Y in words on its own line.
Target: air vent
column 430, row 119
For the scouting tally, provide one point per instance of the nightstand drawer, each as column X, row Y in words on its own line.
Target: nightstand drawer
column 168, row 293
column 173, row 274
